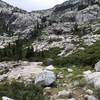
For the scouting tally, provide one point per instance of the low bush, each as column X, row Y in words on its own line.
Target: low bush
column 81, row 7
column 21, row 50
column 97, row 32
column 20, row 91
column 89, row 56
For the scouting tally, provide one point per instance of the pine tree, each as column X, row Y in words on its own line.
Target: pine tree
column 29, row 52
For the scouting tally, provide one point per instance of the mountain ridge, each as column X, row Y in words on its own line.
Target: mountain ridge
column 64, row 26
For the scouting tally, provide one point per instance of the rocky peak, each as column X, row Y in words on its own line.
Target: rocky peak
column 4, row 4
column 74, row 5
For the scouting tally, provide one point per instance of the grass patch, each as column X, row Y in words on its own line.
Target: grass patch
column 70, row 78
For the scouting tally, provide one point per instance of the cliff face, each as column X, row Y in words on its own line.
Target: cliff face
column 63, row 26
column 14, row 20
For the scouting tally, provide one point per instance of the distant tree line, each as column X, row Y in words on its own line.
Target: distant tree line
column 22, row 50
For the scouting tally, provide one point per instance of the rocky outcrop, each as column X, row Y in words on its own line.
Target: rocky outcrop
column 97, row 66
column 91, row 97
column 68, row 26
column 63, row 26
column 93, row 78
column 14, row 20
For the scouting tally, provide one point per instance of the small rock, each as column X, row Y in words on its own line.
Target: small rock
column 90, row 92
column 71, row 99
column 81, row 48
column 87, row 72
column 86, row 96
column 60, row 76
column 47, row 91
column 50, row 67
column 76, row 83
column 91, row 97
column 6, row 98
column 18, row 76
column 64, row 85
column 69, row 70
column 3, row 77
column 24, row 63
column 64, row 94
column 47, row 88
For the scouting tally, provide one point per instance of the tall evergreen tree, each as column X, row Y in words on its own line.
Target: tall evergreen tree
column 29, row 52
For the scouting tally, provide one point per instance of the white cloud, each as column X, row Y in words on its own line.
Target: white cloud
column 30, row 5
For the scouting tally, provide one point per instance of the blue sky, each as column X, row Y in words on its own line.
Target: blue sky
column 30, row 5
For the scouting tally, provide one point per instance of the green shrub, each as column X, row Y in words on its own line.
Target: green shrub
column 87, row 57
column 22, row 50
column 48, row 61
column 97, row 32
column 20, row 91
column 42, row 55
column 81, row 7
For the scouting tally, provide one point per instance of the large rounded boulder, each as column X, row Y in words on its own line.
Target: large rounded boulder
column 45, row 78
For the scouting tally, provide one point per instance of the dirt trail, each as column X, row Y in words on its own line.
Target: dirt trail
column 25, row 71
